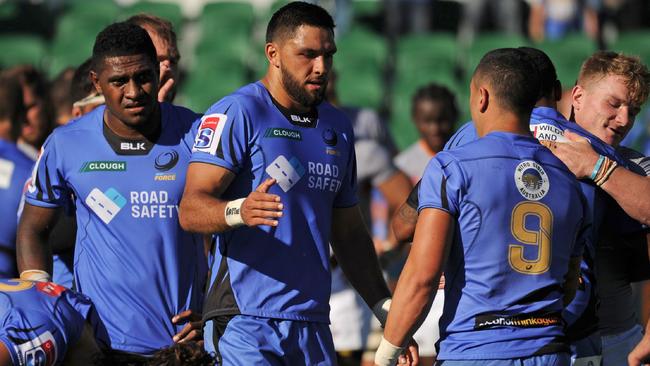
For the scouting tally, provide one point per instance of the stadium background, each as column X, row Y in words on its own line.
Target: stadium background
column 221, row 43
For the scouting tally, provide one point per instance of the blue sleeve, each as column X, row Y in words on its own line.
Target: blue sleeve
column 441, row 185
column 347, row 196
column 223, row 136
column 464, row 135
column 48, row 187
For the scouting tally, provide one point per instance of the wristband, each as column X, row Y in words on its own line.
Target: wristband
column 233, row 213
column 381, row 310
column 387, row 354
column 599, row 163
column 35, row 275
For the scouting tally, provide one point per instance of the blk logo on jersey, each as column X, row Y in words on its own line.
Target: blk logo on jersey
column 209, row 134
column 133, row 146
column 531, row 180
column 6, row 172
column 286, row 172
column 547, row 132
column 39, row 351
column 107, row 204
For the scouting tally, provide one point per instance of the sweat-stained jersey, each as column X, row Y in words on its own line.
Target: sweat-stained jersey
column 520, row 216
column 280, row 272
column 15, row 168
column 40, row 320
column 131, row 255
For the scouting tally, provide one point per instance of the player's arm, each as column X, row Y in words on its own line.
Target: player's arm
column 404, row 220
column 641, row 353
column 33, row 254
column 571, row 280
column 395, row 190
column 355, row 254
column 202, row 209
column 625, row 186
column 419, row 280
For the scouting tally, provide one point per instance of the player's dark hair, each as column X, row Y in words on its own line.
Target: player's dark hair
column 513, row 78
column 81, row 86
column 162, row 27
column 189, row 353
column 12, row 107
column 122, row 39
column 291, row 16
column 547, row 74
column 437, row 93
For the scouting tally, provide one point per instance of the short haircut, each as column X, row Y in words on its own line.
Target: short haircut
column 122, row 39
column 630, row 68
column 437, row 93
column 545, row 68
column 513, row 78
column 291, row 16
column 12, row 107
column 162, row 27
column 81, row 86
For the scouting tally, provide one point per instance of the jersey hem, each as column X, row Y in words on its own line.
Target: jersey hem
column 35, row 202
column 531, row 352
column 304, row 317
column 210, row 160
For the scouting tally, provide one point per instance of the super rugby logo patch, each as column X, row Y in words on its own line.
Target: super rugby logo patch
column 209, row 134
column 531, row 180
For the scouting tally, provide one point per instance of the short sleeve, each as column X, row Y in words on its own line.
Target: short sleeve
column 441, row 185
column 222, row 136
column 347, row 196
column 48, row 187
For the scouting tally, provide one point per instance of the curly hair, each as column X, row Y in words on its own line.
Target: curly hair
column 190, row 353
column 630, row 68
column 123, row 39
column 291, row 16
column 438, row 93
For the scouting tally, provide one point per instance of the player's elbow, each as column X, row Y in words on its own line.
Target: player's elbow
column 185, row 216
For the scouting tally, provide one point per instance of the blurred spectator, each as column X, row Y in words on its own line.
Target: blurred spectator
column 163, row 36
column 350, row 316
column 15, row 168
column 506, row 14
column 60, row 96
column 35, row 98
column 553, row 19
column 82, row 91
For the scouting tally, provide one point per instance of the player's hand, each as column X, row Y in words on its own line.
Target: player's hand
column 641, row 353
column 192, row 331
column 411, row 356
column 261, row 207
column 165, row 91
column 577, row 154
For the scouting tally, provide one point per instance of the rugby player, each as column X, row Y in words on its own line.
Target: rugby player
column 273, row 173
column 125, row 164
column 15, row 168
column 511, row 257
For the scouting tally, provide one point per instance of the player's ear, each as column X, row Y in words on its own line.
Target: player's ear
column 95, row 80
column 484, row 99
column 272, row 54
column 577, row 97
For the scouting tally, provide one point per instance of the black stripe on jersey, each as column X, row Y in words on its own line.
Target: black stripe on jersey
column 556, row 345
column 37, row 184
column 413, row 200
column 219, row 325
column 443, row 193
column 221, row 299
column 48, row 184
column 232, row 148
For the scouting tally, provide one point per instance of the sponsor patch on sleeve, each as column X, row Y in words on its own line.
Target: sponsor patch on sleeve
column 209, row 134
column 547, row 132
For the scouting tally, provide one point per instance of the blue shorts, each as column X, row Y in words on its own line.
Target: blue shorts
column 553, row 359
column 249, row 340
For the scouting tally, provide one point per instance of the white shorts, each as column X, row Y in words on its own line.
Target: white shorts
column 349, row 316
column 429, row 331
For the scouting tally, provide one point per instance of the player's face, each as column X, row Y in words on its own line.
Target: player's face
column 168, row 58
column 130, row 86
column 433, row 122
column 305, row 63
column 604, row 108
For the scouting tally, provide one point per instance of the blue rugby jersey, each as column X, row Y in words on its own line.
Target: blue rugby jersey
column 15, row 168
column 520, row 216
column 40, row 320
column 277, row 272
column 131, row 255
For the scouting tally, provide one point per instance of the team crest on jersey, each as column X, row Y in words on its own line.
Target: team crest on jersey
column 531, row 180
column 39, row 351
column 209, row 134
column 547, row 132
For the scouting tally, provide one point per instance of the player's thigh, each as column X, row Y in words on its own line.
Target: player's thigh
column 314, row 344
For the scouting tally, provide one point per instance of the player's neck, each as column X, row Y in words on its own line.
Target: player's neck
column 146, row 130
column 506, row 121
